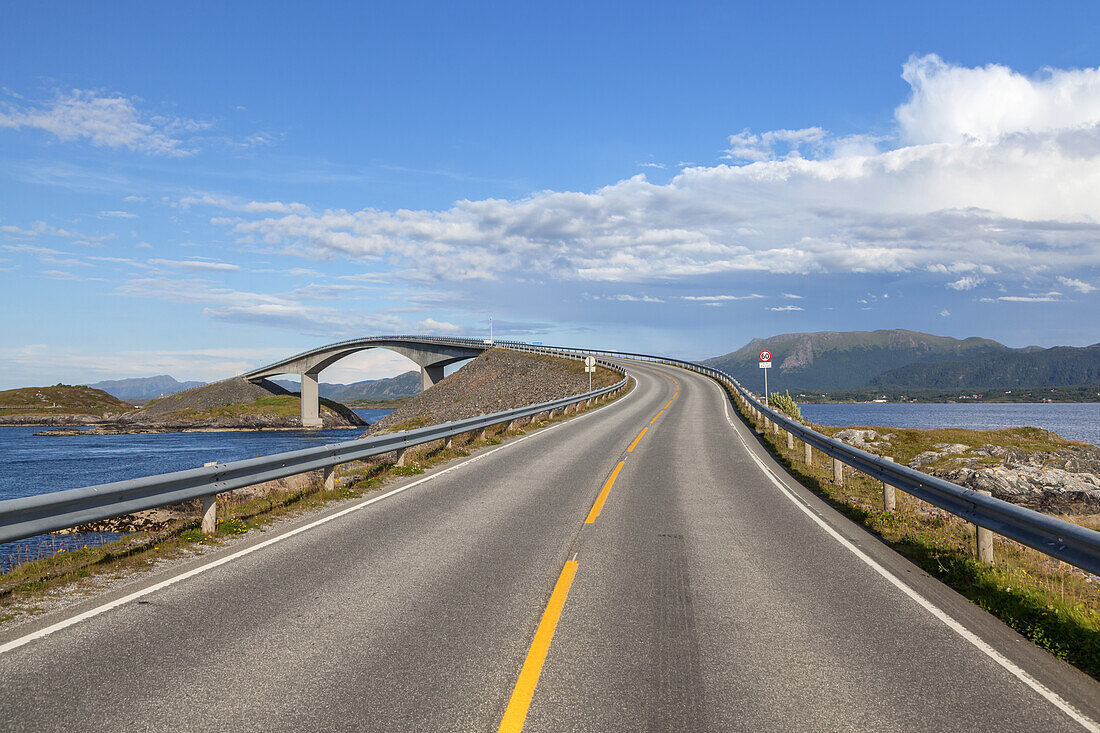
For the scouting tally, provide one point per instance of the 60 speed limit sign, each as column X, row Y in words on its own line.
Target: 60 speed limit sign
column 765, row 359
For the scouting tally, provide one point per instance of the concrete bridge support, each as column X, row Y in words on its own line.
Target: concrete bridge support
column 311, row 402
column 430, row 375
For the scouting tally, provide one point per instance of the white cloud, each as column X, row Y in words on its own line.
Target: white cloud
column 751, row 147
column 430, row 325
column 944, row 313
column 68, row 276
column 1074, row 284
column 626, row 298
column 792, row 296
column 966, row 283
column 195, row 265
column 951, row 104
column 974, row 192
column 781, row 308
column 720, row 298
column 117, row 215
column 1050, row 297
column 108, row 121
column 247, row 207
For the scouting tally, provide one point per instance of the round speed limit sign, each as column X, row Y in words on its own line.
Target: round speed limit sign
column 765, row 356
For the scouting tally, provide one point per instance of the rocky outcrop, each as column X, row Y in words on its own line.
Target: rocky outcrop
column 497, row 380
column 1064, row 480
column 868, row 440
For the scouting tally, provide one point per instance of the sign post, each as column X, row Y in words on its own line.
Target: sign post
column 766, row 364
column 590, row 366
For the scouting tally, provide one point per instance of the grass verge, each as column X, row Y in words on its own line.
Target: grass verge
column 1051, row 603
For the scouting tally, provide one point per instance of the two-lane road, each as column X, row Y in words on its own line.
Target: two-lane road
column 644, row 566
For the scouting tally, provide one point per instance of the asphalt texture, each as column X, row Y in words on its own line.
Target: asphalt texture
column 705, row 598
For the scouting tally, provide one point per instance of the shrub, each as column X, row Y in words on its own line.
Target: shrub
column 785, row 404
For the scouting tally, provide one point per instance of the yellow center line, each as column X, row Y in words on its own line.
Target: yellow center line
column 635, row 443
column 516, row 713
column 669, row 404
column 659, row 413
column 598, row 506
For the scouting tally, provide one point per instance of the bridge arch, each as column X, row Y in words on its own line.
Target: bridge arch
column 430, row 353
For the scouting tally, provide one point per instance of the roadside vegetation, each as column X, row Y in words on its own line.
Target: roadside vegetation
column 1055, row 605
column 27, row 588
column 785, row 404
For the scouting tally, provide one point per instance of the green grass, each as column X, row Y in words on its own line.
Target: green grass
column 60, row 399
column 1043, row 599
column 279, row 405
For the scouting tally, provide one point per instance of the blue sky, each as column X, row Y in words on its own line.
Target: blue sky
column 196, row 189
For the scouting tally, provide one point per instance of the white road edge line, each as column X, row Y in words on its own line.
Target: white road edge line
column 1052, row 697
column 73, row 620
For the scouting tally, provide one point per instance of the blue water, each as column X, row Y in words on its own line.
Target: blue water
column 1073, row 421
column 35, row 465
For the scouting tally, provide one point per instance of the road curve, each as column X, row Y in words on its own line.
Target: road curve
column 590, row 576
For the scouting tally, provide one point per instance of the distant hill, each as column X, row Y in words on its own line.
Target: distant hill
column 834, row 360
column 58, row 405
column 1061, row 366
column 375, row 390
column 143, row 389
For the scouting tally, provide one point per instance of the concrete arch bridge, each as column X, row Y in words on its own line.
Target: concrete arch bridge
column 430, row 353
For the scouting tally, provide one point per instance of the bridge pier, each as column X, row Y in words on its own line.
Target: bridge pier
column 311, row 402
column 430, row 375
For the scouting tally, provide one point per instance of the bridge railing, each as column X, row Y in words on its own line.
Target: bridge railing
column 34, row 515
column 1058, row 538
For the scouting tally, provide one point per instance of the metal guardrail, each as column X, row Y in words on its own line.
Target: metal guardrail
column 33, row 515
column 47, row 512
column 1058, row 538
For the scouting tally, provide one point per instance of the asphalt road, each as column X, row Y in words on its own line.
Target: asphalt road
column 702, row 590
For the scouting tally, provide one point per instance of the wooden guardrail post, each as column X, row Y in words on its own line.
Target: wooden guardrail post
column 889, row 500
column 983, row 540
column 838, row 472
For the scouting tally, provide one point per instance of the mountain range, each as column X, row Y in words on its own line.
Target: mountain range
column 144, row 389
column 898, row 359
column 372, row 390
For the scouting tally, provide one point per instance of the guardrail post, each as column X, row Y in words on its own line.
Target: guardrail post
column 210, row 509
column 983, row 540
column 808, row 454
column 450, row 441
column 790, row 440
column 400, row 457
column 483, row 433
column 838, row 472
column 328, row 479
column 767, row 423
column 889, row 501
